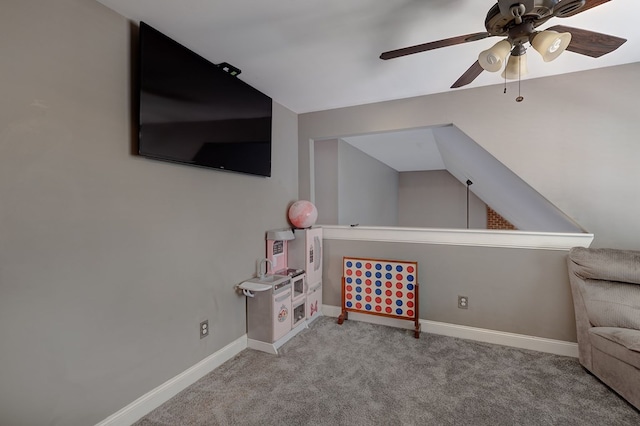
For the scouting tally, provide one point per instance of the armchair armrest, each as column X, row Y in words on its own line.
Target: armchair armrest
column 606, row 264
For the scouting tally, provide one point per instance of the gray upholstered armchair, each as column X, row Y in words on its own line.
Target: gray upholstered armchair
column 605, row 284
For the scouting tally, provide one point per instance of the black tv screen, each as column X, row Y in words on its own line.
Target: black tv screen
column 194, row 112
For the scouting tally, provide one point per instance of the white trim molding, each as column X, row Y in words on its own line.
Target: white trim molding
column 521, row 341
column 156, row 397
column 460, row 237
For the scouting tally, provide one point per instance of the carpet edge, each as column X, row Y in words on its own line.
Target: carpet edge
column 161, row 394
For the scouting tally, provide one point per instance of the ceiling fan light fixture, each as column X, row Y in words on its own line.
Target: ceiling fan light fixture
column 550, row 44
column 516, row 67
column 492, row 59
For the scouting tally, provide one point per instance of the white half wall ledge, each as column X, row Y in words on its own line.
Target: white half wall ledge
column 521, row 341
column 459, row 237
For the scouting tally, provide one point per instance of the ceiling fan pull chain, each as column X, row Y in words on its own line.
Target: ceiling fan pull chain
column 519, row 98
column 505, row 77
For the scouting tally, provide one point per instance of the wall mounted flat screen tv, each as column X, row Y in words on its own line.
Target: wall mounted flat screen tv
column 194, row 112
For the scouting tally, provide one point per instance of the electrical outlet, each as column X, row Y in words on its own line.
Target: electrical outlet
column 463, row 302
column 204, row 329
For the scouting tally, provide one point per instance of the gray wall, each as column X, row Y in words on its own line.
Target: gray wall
column 584, row 160
column 436, row 199
column 108, row 261
column 353, row 187
column 368, row 189
column 327, row 177
column 513, row 290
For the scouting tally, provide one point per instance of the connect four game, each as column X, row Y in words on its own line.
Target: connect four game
column 386, row 288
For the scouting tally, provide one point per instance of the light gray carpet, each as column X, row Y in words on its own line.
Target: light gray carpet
column 364, row 374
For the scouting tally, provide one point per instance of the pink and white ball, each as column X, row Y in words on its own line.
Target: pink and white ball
column 303, row 214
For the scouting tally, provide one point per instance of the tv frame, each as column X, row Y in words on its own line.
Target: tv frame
column 174, row 114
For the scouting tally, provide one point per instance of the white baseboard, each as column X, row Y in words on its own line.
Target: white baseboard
column 156, row 397
column 272, row 348
column 522, row 341
column 153, row 399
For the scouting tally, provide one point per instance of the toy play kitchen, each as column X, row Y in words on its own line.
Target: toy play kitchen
column 280, row 300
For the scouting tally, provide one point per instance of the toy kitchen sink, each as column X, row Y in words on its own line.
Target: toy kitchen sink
column 268, row 310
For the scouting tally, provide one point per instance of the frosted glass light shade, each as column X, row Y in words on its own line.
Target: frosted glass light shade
column 492, row 59
column 550, row 44
column 512, row 72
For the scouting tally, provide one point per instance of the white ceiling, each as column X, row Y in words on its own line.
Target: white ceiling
column 313, row 55
column 404, row 150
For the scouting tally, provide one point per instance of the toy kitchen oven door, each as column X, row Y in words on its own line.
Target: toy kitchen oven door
column 298, row 296
column 305, row 252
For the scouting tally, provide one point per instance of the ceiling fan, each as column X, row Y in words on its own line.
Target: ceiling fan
column 516, row 20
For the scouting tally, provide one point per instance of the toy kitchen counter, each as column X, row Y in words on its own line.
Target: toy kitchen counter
column 277, row 309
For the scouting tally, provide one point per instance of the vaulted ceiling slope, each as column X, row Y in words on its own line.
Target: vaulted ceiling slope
column 449, row 148
column 320, row 54
column 499, row 187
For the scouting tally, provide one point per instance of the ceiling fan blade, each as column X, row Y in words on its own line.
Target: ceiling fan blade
column 433, row 45
column 592, row 3
column 570, row 12
column 590, row 43
column 474, row 71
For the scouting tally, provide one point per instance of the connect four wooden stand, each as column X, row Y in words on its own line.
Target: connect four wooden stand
column 387, row 288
